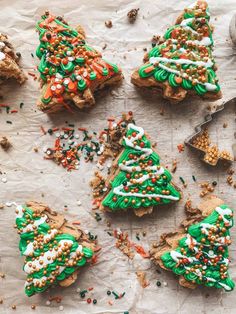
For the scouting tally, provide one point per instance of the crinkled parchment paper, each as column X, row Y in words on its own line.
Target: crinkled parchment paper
column 29, row 176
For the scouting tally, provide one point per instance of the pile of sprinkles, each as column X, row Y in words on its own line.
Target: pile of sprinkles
column 71, row 145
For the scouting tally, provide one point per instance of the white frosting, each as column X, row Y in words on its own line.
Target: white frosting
column 205, row 41
column 19, row 209
column 185, row 25
column 46, row 259
column 128, row 166
column 207, row 64
column 32, row 245
column 36, row 223
column 2, row 54
column 223, row 213
column 208, row 86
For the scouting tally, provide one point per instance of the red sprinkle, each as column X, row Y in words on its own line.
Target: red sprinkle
column 180, row 148
column 43, row 130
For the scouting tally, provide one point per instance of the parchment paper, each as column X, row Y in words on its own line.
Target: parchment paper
column 29, row 176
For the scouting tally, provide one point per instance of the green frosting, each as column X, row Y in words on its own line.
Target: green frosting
column 185, row 58
column 141, row 181
column 64, row 55
column 202, row 256
column 51, row 256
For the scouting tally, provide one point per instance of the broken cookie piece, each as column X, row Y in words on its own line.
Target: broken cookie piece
column 9, row 62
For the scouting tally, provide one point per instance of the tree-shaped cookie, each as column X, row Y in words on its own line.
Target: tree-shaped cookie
column 182, row 63
column 9, row 67
column 199, row 255
column 137, row 180
column 54, row 250
column 70, row 70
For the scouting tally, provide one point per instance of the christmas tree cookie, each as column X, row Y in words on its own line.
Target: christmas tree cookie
column 54, row 249
column 9, row 67
column 70, row 70
column 182, row 63
column 198, row 251
column 137, row 179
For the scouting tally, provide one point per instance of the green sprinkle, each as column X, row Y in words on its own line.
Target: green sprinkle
column 115, row 294
column 21, row 105
column 9, row 122
column 32, row 55
column 110, row 234
column 182, row 180
column 158, row 283
column 94, row 301
column 194, row 179
column 82, row 293
column 108, row 292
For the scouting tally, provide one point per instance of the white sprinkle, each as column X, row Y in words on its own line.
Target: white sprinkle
column 4, row 180
column 66, row 136
column 61, row 308
column 8, row 204
column 78, row 290
column 57, row 134
column 78, row 77
column 79, row 203
column 59, row 86
column 62, row 133
column 71, row 58
column 53, row 88
column 66, row 81
column 211, row 252
column 165, row 284
column 77, row 136
column 45, row 149
column 109, row 165
column 48, row 302
column 86, row 231
column 68, row 53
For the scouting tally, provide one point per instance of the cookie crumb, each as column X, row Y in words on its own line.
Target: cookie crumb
column 5, row 144
column 132, row 15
